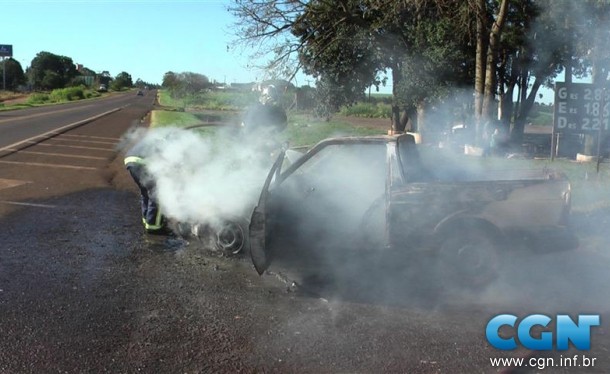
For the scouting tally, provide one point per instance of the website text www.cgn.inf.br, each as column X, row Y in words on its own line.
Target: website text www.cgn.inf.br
column 540, row 363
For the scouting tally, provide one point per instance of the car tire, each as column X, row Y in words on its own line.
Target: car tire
column 468, row 259
column 232, row 236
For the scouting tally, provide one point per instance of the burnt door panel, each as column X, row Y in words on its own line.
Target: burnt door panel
column 258, row 223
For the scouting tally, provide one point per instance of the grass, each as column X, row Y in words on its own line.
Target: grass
column 368, row 110
column 166, row 99
column 303, row 131
column 212, row 100
column 59, row 95
column 164, row 118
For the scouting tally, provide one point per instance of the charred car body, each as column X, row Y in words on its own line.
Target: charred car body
column 376, row 197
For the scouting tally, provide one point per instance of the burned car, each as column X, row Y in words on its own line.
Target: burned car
column 377, row 199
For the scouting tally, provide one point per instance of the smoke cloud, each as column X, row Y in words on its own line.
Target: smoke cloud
column 205, row 179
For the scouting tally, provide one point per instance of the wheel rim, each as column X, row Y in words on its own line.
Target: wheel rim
column 230, row 238
column 470, row 262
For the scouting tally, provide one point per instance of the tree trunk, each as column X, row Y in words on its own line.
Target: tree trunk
column 490, row 68
column 479, row 80
column 421, row 119
column 524, row 109
column 397, row 126
column 404, row 121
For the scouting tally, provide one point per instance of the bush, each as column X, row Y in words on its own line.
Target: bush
column 368, row 110
column 67, row 94
column 38, row 98
column 91, row 93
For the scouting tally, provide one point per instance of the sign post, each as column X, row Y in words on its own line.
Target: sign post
column 581, row 108
column 6, row 50
column 602, row 113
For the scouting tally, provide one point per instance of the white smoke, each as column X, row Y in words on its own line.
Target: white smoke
column 205, row 179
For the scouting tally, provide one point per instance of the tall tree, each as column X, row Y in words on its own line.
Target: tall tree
column 170, row 80
column 265, row 28
column 13, row 73
column 49, row 71
column 121, row 81
column 181, row 84
column 340, row 52
column 505, row 49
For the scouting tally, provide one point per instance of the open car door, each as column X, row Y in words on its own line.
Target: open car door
column 258, row 222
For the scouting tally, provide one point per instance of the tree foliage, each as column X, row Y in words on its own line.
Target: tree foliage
column 49, row 71
column 121, row 81
column 266, row 28
column 14, row 75
column 504, row 50
column 184, row 83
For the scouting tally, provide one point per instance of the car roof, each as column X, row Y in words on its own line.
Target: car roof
column 361, row 139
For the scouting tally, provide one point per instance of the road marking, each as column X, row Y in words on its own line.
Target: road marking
column 92, row 137
column 43, row 114
column 27, row 204
column 59, row 155
column 49, row 165
column 72, row 146
column 8, row 183
column 62, row 138
column 52, row 133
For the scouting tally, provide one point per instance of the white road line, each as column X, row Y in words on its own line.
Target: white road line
column 62, row 129
column 62, row 138
column 49, row 165
column 92, row 137
column 72, row 146
column 8, row 183
column 60, row 155
column 28, row 204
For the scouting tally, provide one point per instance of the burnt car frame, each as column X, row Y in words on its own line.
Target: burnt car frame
column 374, row 195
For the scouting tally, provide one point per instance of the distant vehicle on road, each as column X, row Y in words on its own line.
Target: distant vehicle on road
column 140, row 93
column 102, row 88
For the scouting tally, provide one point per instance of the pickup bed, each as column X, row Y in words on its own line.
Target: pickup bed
column 387, row 195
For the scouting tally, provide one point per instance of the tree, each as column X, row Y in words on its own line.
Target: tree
column 193, row 82
column 170, row 81
column 104, row 78
column 344, row 59
column 347, row 46
column 49, row 71
column 121, row 81
column 13, row 73
column 266, row 28
column 182, row 84
column 439, row 60
column 504, row 50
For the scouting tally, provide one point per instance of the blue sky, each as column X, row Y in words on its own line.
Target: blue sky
column 145, row 38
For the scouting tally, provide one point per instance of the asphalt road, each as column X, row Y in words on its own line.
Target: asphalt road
column 84, row 290
column 19, row 125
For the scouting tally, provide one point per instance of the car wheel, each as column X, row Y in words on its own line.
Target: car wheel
column 469, row 258
column 232, row 236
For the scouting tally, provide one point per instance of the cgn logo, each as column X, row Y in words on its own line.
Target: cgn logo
column 579, row 333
